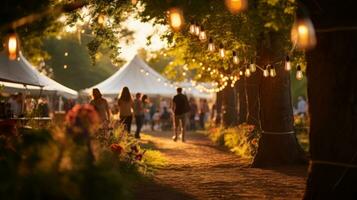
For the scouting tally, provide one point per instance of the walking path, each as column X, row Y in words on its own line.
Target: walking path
column 198, row 169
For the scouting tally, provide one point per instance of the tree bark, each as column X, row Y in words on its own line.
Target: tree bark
column 278, row 144
column 332, row 91
column 218, row 118
column 242, row 100
column 229, row 102
column 252, row 87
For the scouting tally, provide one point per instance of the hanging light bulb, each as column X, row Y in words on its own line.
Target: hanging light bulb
column 299, row 75
column 197, row 30
column 176, row 18
column 102, row 19
column 235, row 58
column 12, row 46
column 287, row 63
column 192, row 28
column 65, row 66
column 252, row 67
column 134, row 2
column 202, row 35
column 211, row 46
column 247, row 72
column 241, row 73
column 266, row 71
column 236, row 6
column 272, row 71
column 221, row 50
column 303, row 32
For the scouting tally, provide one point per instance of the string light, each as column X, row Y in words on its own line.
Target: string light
column 299, row 75
column 65, row 66
column 241, row 73
column 247, row 72
column 221, row 50
column 287, row 63
column 176, row 18
column 192, row 28
column 272, row 71
column 12, row 45
column 202, row 35
column 235, row 58
column 65, row 53
column 266, row 71
column 236, row 6
column 303, row 32
column 211, row 46
column 197, row 30
column 252, row 67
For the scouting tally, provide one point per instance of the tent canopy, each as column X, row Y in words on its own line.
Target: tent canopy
column 48, row 85
column 17, row 71
column 138, row 77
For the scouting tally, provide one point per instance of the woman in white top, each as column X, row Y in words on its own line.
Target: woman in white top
column 125, row 105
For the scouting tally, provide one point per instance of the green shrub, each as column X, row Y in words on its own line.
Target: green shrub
column 242, row 140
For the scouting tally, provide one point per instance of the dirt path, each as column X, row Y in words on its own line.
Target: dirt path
column 198, row 169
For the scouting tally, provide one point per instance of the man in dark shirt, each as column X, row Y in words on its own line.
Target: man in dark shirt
column 180, row 106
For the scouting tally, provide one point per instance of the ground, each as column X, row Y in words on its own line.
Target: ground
column 198, row 169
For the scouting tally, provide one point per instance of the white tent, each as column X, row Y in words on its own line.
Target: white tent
column 138, row 77
column 17, row 71
column 49, row 86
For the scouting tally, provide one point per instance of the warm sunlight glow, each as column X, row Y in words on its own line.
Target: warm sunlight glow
column 236, row 6
column 176, row 18
column 303, row 34
column 12, row 46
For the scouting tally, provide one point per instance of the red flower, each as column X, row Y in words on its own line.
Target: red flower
column 116, row 148
column 139, row 157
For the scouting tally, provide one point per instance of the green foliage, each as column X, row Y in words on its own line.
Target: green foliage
column 80, row 73
column 242, row 140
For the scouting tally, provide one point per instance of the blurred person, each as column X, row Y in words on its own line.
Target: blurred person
column 152, row 112
column 146, row 105
column 156, row 120
column 204, row 110
column 43, row 108
column 16, row 104
column 101, row 106
column 165, row 119
column 138, row 108
column 125, row 105
column 180, row 107
column 301, row 106
column 193, row 113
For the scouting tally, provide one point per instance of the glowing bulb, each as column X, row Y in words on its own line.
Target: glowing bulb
column 252, row 67
column 221, row 50
column 235, row 6
column 299, row 74
column 272, row 71
column 65, row 53
column 176, row 18
column 211, row 46
column 192, row 28
column 12, row 46
column 202, row 35
column 197, row 30
column 235, row 58
column 247, row 72
column 101, row 19
column 240, row 73
column 65, row 66
column 158, row 79
column 303, row 34
column 183, row 73
column 287, row 64
column 147, row 73
column 266, row 71
column 134, row 2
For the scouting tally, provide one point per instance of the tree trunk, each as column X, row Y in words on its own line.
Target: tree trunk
column 229, row 100
column 252, row 88
column 218, row 119
column 278, row 144
column 332, row 90
column 242, row 100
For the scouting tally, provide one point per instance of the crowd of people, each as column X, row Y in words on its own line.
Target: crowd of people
column 178, row 113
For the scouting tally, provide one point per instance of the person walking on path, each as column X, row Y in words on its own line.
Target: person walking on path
column 101, row 106
column 204, row 110
column 193, row 113
column 180, row 107
column 139, row 114
column 125, row 105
